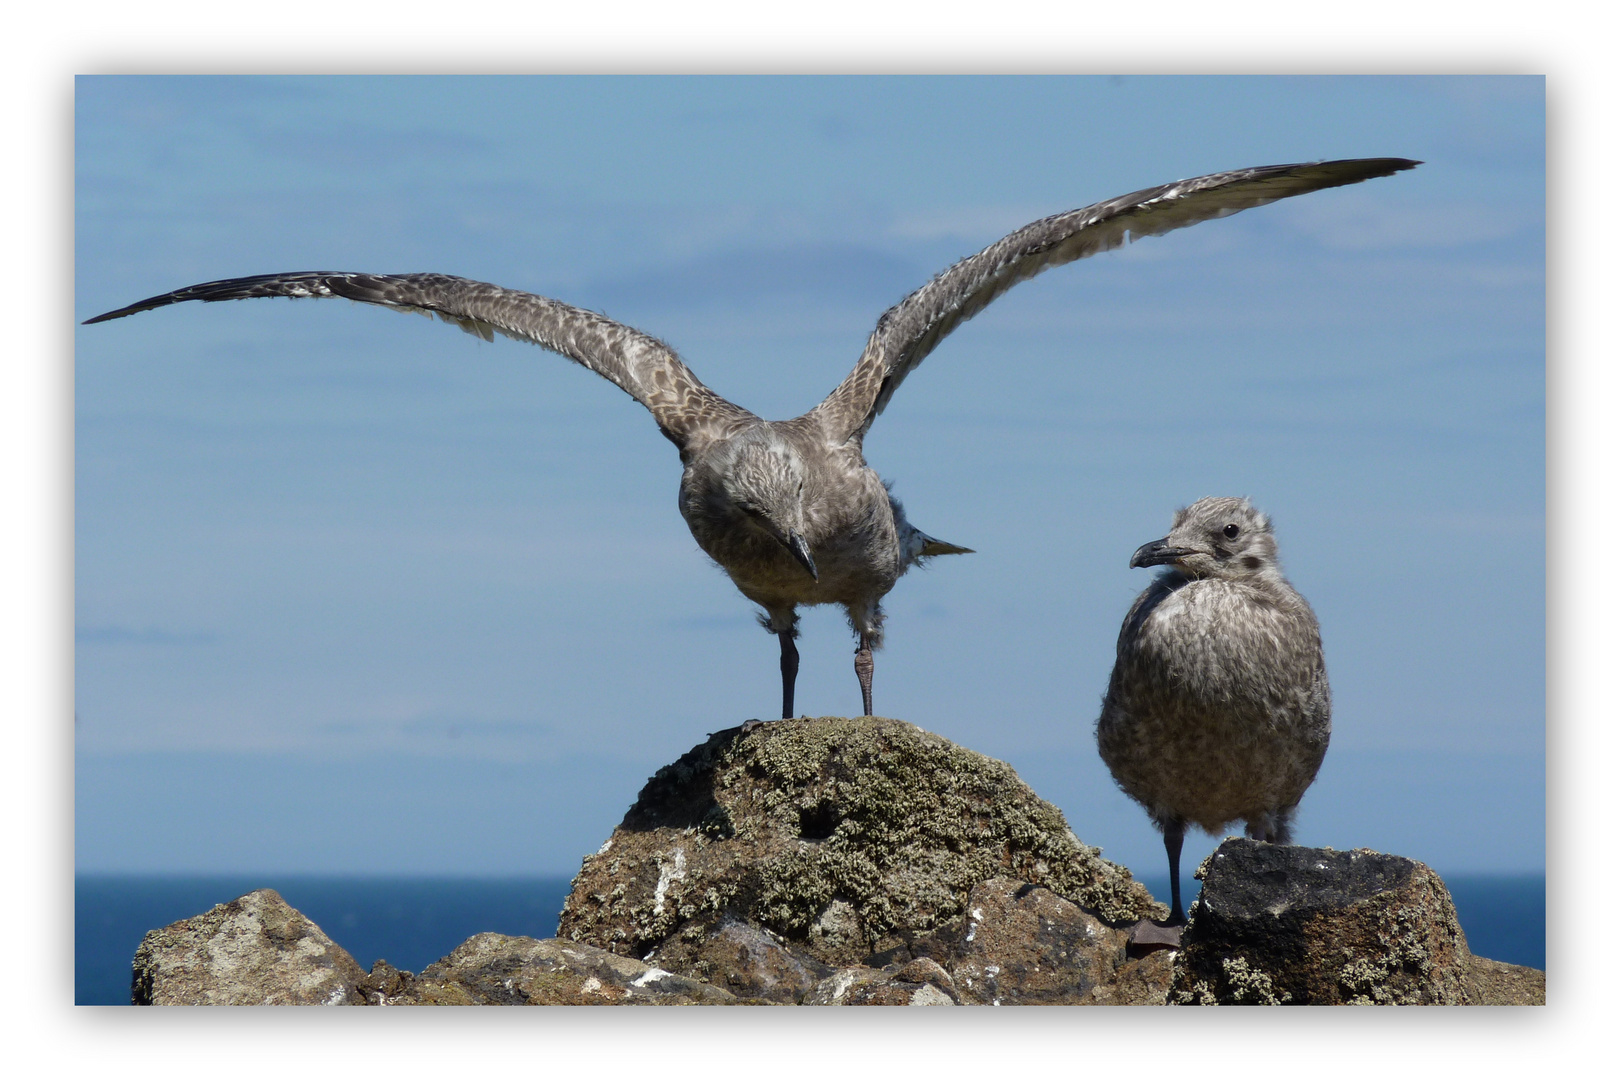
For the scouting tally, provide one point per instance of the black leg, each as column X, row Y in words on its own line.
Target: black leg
column 1173, row 832
column 863, row 672
column 790, row 671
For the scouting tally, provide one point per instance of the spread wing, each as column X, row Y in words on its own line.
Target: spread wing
column 640, row 365
column 909, row 331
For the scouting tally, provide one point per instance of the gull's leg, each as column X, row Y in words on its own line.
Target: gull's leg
column 1273, row 826
column 863, row 672
column 790, row 671
column 784, row 623
column 1174, row 829
column 1148, row 935
column 1282, row 825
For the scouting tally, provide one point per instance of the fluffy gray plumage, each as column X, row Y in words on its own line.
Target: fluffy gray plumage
column 1218, row 708
column 789, row 508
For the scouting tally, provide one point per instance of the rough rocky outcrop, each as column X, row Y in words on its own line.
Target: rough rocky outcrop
column 1025, row 945
column 1016, row 944
column 255, row 950
column 1491, row 982
column 833, row 841
column 867, row 862
column 494, row 969
column 1313, row 926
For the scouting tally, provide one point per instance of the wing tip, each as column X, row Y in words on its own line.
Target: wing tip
column 118, row 314
column 1354, row 170
column 1332, row 173
column 1392, row 165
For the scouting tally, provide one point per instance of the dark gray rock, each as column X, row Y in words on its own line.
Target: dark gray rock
column 1313, row 926
column 838, row 838
column 255, row 950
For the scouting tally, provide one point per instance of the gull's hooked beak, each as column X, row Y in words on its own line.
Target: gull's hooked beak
column 1157, row 553
column 801, row 553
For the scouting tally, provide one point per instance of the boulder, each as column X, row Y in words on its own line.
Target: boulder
column 495, row 969
column 747, row 960
column 1026, row 945
column 867, row 862
column 1491, row 982
column 921, row 982
column 1279, row 925
column 255, row 950
column 809, row 846
column 1016, row 944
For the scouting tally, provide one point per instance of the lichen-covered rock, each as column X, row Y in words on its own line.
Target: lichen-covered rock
column 915, row 982
column 896, row 991
column 841, row 837
column 255, row 950
column 1492, row 982
column 867, row 862
column 743, row 958
column 1025, row 945
column 1281, row 925
column 837, row 988
column 496, row 969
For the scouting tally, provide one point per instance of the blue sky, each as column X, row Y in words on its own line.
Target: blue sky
column 356, row 592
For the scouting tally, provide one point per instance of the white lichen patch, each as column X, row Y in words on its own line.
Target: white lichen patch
column 841, row 984
column 1249, row 986
column 669, row 872
column 930, row 995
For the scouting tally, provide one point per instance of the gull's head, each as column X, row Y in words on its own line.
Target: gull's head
column 1218, row 537
column 764, row 481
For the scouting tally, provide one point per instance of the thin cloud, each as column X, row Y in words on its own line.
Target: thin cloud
column 462, row 727
column 350, row 147
column 828, row 273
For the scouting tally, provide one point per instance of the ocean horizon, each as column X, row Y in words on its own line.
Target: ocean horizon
column 413, row 921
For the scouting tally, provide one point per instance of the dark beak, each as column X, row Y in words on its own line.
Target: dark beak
column 1157, row 553
column 801, row 552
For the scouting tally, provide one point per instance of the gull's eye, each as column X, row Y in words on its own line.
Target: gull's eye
column 1231, row 532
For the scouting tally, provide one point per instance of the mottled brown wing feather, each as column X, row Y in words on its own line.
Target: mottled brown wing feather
column 640, row 365
column 908, row 332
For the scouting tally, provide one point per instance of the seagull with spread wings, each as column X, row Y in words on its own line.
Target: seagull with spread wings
column 789, row 508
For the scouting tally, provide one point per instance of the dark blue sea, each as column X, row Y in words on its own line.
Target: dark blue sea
column 411, row 922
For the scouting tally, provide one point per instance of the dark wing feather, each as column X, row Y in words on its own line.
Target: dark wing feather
column 908, row 332
column 640, row 365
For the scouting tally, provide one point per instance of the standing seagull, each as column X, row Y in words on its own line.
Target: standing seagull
column 1218, row 708
column 789, row 508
